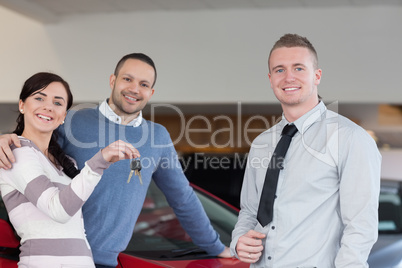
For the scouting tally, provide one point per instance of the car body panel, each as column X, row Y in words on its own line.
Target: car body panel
column 7, row 237
column 5, row 263
column 387, row 251
column 126, row 261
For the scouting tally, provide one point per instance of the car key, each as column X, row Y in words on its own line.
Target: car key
column 130, row 175
column 135, row 167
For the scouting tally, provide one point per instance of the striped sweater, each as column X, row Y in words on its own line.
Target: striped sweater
column 44, row 206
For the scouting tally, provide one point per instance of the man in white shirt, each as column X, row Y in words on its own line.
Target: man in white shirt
column 325, row 211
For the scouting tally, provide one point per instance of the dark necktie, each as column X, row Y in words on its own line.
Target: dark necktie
column 266, row 206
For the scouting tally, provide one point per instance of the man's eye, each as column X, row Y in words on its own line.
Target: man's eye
column 126, row 79
column 280, row 71
column 144, row 85
column 299, row 69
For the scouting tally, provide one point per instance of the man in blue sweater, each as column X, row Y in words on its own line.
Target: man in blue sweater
column 112, row 210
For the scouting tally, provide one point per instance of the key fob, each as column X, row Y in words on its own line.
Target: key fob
column 135, row 164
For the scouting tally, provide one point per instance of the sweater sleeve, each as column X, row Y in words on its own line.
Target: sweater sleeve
column 186, row 205
column 60, row 202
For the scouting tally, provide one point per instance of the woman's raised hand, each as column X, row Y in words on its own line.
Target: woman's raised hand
column 119, row 150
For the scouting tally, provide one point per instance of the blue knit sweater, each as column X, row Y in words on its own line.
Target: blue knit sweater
column 112, row 210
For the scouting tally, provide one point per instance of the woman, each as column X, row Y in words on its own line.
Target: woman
column 42, row 198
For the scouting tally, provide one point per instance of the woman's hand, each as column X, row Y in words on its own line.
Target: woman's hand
column 119, row 150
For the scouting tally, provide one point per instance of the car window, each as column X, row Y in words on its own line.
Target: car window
column 158, row 233
column 390, row 210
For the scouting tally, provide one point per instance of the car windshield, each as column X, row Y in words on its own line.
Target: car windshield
column 390, row 209
column 158, row 233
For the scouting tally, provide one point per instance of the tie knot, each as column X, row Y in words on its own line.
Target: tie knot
column 289, row 130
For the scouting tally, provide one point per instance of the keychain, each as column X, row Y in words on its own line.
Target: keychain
column 135, row 166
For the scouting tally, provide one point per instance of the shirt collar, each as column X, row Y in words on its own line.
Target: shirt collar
column 308, row 119
column 105, row 109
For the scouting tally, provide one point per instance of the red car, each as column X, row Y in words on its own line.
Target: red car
column 158, row 239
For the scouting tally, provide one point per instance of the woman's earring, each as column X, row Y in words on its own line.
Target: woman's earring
column 22, row 111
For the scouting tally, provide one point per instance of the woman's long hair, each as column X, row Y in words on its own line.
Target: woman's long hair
column 40, row 81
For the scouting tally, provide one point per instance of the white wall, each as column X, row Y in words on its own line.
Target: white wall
column 209, row 56
column 25, row 48
column 391, row 167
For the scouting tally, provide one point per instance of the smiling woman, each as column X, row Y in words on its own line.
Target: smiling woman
column 44, row 101
column 42, row 201
column 44, row 110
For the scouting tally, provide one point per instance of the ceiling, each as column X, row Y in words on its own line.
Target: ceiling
column 52, row 11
